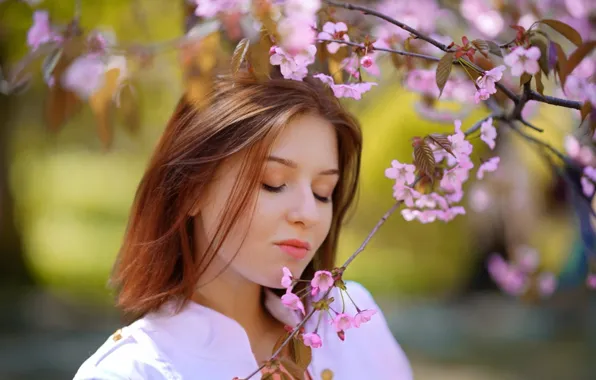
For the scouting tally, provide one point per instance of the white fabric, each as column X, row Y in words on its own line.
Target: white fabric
column 199, row 343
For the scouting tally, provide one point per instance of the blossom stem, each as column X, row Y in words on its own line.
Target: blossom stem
column 400, row 52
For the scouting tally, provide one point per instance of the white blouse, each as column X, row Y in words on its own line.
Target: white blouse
column 199, row 343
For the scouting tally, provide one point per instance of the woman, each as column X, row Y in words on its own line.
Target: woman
column 257, row 179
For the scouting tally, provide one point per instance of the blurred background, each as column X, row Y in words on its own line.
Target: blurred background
column 64, row 202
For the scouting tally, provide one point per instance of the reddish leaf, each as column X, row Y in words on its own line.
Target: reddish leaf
column 424, row 158
column 578, row 55
column 301, row 353
column 292, row 368
column 543, row 46
column 539, row 84
column 525, row 78
column 566, row 30
column 442, row 141
column 585, row 110
column 443, row 71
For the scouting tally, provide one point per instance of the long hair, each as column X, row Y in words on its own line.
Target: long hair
column 156, row 262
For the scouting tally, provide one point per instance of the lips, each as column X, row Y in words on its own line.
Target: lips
column 295, row 248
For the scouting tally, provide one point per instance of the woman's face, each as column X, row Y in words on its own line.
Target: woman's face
column 293, row 206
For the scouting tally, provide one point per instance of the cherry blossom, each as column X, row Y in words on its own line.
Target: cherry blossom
column 486, row 83
column 41, row 30
column 489, row 166
column 334, row 31
column 591, row 281
column 292, row 301
column 587, row 186
column 523, row 60
column 293, row 66
column 287, row 279
column 351, row 90
column 321, row 282
column 342, row 322
column 85, row 75
column 405, row 193
column 297, row 34
column 298, row 8
column 547, row 283
column 363, row 317
column 488, row 133
column 366, row 61
column 401, row 173
column 312, row 340
column 210, row 8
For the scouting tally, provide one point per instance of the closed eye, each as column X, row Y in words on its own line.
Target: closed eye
column 279, row 189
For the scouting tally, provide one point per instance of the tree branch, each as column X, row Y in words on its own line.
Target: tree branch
column 393, row 21
column 533, row 95
column 400, row 52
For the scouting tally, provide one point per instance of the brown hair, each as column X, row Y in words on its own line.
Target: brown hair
column 156, row 262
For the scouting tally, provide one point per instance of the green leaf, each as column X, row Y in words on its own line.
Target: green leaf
column 239, row 54
column 443, row 71
column 494, row 48
column 578, row 55
column 566, row 30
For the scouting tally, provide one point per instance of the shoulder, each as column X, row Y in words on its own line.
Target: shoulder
column 123, row 356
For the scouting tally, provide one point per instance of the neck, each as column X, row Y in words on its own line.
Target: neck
column 238, row 299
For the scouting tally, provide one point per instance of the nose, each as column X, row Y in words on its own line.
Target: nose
column 304, row 208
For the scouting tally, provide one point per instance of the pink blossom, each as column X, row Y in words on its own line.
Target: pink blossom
column 591, row 281
column 490, row 78
column 322, row 281
column 587, row 186
column 297, row 34
column 401, row 173
column 426, row 201
column 450, row 213
column 488, row 133
column 296, row 8
column 590, row 172
column 312, row 340
column 352, row 90
column 405, row 193
column 459, row 145
column 527, row 258
column 453, row 179
column 481, row 94
column 441, row 201
column 363, row 317
column 572, row 146
column 547, row 283
column 410, row 214
column 455, row 196
column 523, row 60
column 514, row 282
column 366, row 61
column 334, row 31
column 480, row 199
column 427, row 216
column 85, row 75
column 293, row 66
column 292, row 301
column 41, row 30
column 342, row 322
column 489, row 166
column 497, row 266
column 210, row 8
column 287, row 279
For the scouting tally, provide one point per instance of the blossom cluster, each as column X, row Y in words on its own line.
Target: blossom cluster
column 442, row 204
column 516, row 277
column 322, row 281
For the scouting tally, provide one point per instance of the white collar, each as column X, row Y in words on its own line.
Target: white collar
column 206, row 332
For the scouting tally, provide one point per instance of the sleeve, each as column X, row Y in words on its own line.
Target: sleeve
column 122, row 360
column 385, row 356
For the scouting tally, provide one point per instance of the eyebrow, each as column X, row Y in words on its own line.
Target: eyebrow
column 293, row 165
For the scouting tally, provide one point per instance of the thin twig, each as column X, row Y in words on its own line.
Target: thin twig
column 393, row 21
column 478, row 124
column 534, row 139
column 524, row 122
column 400, row 52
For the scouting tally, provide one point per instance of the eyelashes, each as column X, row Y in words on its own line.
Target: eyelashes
column 279, row 189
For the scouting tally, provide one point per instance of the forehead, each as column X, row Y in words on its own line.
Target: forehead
column 308, row 139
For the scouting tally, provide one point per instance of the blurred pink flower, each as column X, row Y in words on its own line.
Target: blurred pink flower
column 401, row 173
column 85, row 75
column 591, row 281
column 547, row 283
column 297, row 34
column 351, row 90
column 293, row 66
column 312, row 340
column 334, row 31
column 488, row 133
column 286, row 280
column 405, row 193
column 292, row 301
column 489, row 166
column 363, row 317
column 41, row 30
column 523, row 60
column 587, row 186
